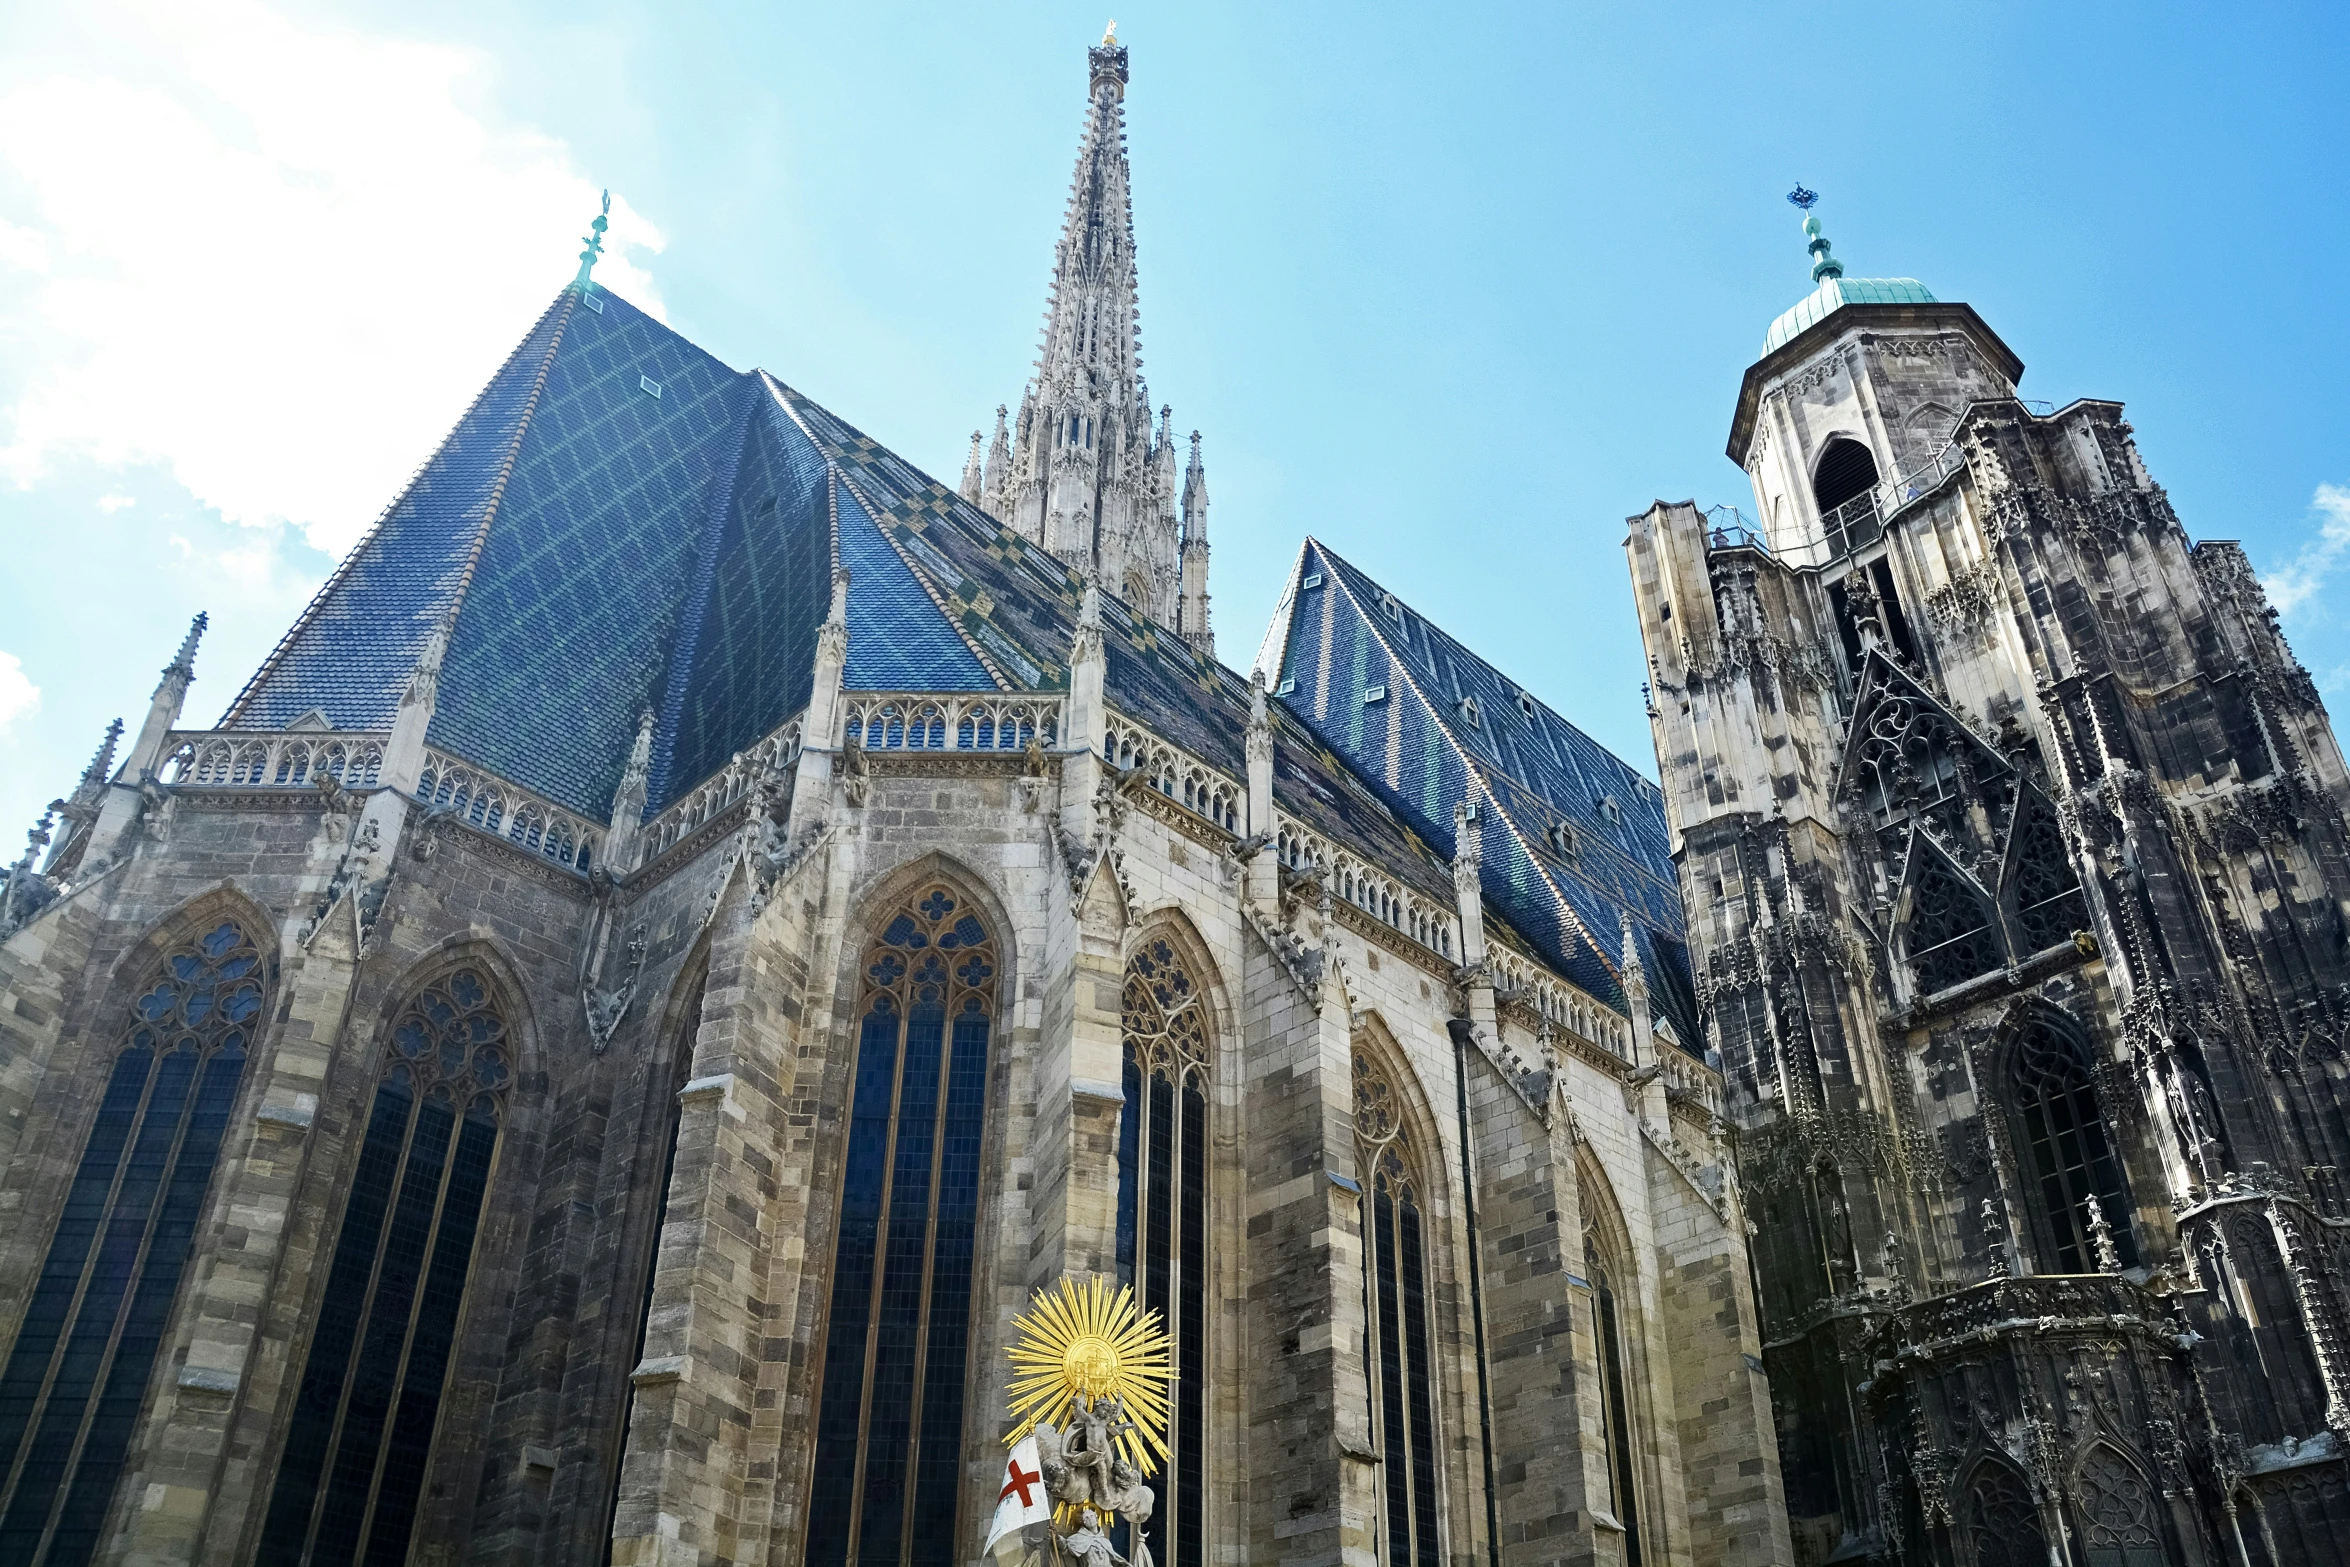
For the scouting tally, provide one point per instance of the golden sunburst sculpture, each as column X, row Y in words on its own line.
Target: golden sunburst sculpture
column 1083, row 1339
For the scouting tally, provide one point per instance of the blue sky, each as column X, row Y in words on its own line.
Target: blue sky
column 1455, row 289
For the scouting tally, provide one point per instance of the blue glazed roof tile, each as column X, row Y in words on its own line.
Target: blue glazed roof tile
column 353, row 648
column 1432, row 724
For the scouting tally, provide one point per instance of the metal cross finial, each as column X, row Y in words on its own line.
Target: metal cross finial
column 594, row 240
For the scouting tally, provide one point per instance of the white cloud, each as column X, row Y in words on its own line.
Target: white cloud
column 2294, row 584
column 19, row 697
column 110, row 504
column 276, row 254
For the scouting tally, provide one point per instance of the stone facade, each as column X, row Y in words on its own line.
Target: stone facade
column 2012, row 841
column 1468, row 1281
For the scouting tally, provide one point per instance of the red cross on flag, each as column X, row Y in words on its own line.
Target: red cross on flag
column 1021, row 1502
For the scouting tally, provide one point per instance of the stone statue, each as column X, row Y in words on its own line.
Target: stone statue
column 1134, row 1502
column 1087, row 1546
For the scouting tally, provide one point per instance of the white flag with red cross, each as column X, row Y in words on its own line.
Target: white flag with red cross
column 1019, row 1505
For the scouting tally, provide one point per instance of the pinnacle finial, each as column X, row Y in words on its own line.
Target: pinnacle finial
column 594, row 240
column 1823, row 264
column 1107, row 61
column 102, row 764
column 185, row 658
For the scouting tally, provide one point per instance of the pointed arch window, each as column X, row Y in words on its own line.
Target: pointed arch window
column 2002, row 1524
column 360, row 1440
column 889, row 1425
column 1951, row 937
column 1401, row 1359
column 1616, row 1422
column 83, row 1355
column 2117, row 1511
column 2045, row 889
column 1163, row 1213
column 2074, row 1173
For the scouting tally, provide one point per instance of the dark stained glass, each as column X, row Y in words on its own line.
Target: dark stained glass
column 361, row 1438
column 85, row 1353
column 1950, row 934
column 2079, row 1180
column 889, row 1426
column 1402, row 1363
column 1162, row 1218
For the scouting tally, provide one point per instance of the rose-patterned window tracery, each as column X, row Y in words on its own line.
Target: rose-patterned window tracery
column 2117, row 1510
column 1402, row 1367
column 1951, row 935
column 2003, row 1526
column 2045, row 890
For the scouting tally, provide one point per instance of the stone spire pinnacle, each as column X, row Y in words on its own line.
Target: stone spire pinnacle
column 996, row 486
column 1084, row 472
column 974, row 481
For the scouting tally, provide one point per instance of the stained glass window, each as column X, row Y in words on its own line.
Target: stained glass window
column 357, row 1446
column 2079, row 1181
column 2117, row 1511
column 1615, row 1401
column 2002, row 1523
column 1402, row 1367
column 1163, row 1215
column 1950, row 934
column 889, row 1425
column 79, row 1369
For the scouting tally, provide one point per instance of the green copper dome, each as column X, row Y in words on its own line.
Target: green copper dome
column 1834, row 294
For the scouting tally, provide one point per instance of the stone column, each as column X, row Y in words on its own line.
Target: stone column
column 1312, row 1457
column 685, row 1474
column 1549, row 1459
column 197, row 1477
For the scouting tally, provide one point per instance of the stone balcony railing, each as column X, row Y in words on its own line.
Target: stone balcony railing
column 530, row 822
column 949, row 721
column 275, row 759
column 776, row 751
column 289, row 760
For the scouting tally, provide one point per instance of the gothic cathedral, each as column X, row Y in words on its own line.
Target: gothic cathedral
column 699, row 924
column 2013, row 846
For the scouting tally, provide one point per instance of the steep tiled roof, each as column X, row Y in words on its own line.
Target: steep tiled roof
column 603, row 546
column 1430, row 724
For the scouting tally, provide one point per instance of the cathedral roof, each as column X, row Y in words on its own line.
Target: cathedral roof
column 1574, row 838
column 619, row 521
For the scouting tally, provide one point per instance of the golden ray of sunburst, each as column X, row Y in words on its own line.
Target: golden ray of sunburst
column 1083, row 1338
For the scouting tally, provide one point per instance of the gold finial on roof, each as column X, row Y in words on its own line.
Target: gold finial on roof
column 1110, row 34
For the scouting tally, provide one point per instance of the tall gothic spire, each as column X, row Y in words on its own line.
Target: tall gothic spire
column 1085, row 473
column 1092, row 337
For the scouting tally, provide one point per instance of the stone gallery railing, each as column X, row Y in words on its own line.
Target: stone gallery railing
column 1559, row 1003
column 529, row 821
column 277, row 759
column 1192, row 784
column 778, row 750
column 925, row 721
column 1348, row 876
